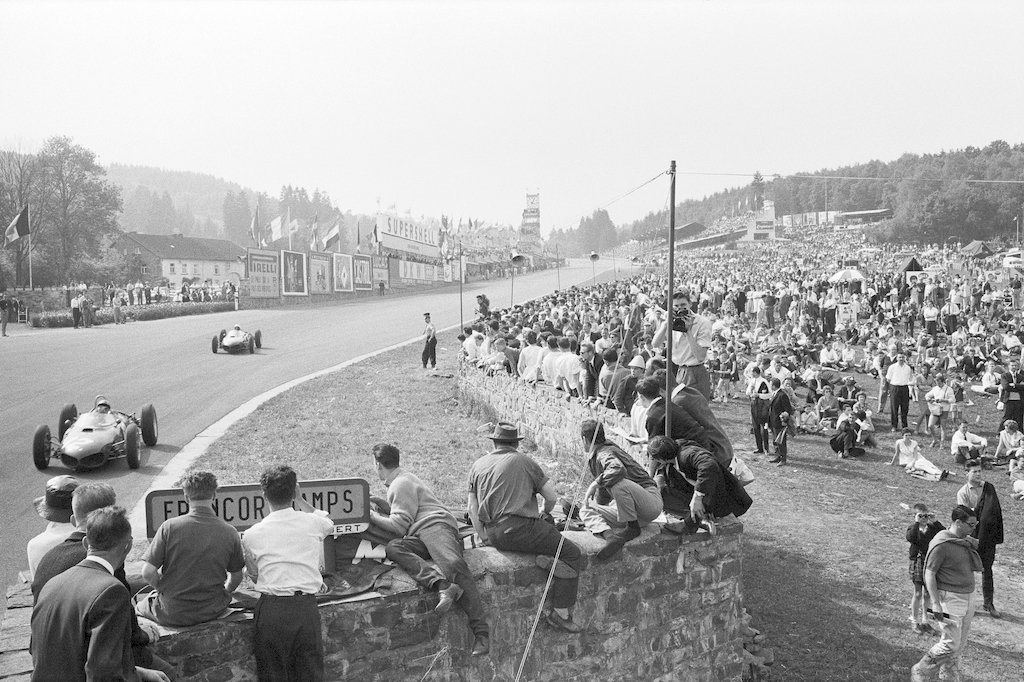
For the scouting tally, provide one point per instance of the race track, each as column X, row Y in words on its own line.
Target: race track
column 169, row 363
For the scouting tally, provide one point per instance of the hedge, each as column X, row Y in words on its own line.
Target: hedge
column 157, row 311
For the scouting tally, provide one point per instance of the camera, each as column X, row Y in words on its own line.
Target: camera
column 681, row 320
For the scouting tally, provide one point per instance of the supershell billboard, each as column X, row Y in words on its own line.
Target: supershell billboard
column 264, row 273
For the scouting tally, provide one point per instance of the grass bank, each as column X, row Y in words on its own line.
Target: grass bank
column 825, row 571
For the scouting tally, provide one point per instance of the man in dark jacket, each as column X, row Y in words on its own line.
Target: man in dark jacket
column 693, row 482
column 622, row 497
column 683, row 425
column 980, row 496
column 592, row 364
column 779, row 410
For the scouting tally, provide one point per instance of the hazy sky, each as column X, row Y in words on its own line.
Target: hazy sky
column 461, row 107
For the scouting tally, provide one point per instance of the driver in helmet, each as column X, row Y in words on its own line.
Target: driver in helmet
column 102, row 405
column 237, row 328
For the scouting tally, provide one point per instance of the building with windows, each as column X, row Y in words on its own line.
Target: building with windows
column 181, row 259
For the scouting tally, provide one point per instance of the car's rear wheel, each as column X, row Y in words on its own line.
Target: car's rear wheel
column 150, row 426
column 68, row 415
column 252, row 346
column 41, row 447
column 131, row 446
column 259, row 339
column 216, row 344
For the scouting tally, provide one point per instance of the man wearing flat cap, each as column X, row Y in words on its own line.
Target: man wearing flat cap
column 503, row 489
column 55, row 507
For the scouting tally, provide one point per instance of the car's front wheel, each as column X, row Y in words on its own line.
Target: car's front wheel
column 150, row 426
column 216, row 344
column 131, row 446
column 68, row 415
column 252, row 346
column 41, row 447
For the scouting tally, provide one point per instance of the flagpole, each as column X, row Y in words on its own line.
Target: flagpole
column 30, row 287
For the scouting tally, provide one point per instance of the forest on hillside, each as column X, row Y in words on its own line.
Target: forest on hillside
column 970, row 193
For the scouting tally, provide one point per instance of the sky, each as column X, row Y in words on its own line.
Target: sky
column 461, row 108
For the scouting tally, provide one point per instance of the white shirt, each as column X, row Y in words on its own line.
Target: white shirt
column 965, row 440
column 102, row 562
column 529, row 362
column 284, row 552
column 38, row 546
column 690, row 347
column 898, row 375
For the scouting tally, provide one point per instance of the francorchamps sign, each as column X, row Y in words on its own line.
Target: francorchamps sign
column 346, row 501
column 264, row 274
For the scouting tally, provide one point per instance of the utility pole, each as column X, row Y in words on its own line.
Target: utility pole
column 558, row 269
column 669, row 378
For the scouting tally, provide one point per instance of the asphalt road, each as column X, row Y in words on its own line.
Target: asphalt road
column 169, row 363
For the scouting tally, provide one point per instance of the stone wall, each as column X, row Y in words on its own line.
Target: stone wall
column 668, row 609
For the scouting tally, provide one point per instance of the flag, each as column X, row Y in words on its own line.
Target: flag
column 18, row 227
column 276, row 228
column 314, row 237
column 254, row 227
column 359, row 238
column 332, row 240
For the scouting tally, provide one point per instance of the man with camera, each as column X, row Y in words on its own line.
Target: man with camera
column 691, row 339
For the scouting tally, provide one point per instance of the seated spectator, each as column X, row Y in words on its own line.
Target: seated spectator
column 195, row 561
column 55, row 507
column 86, row 499
column 989, row 380
column 828, row 404
column 908, row 453
column 1011, row 441
column 1016, row 473
column 965, row 445
column 623, row 496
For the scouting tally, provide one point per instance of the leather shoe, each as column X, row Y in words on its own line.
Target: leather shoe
column 616, row 539
column 559, row 623
column 449, row 596
column 482, row 645
column 992, row 610
column 774, row 460
column 563, row 570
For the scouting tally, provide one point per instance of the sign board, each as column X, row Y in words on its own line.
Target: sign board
column 293, row 274
column 346, row 501
column 320, row 271
column 362, row 273
column 264, row 273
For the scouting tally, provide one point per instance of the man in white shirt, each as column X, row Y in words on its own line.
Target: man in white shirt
column 283, row 556
column 899, row 377
column 691, row 339
column 530, row 358
column 55, row 507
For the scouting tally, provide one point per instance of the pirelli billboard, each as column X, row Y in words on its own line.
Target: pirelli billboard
column 346, row 501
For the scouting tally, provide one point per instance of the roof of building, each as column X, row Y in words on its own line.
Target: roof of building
column 178, row 246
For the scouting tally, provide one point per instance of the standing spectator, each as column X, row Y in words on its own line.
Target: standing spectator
column 980, row 496
column 940, row 401
column 919, row 535
column 426, row 529
column 691, row 339
column 76, row 310
column 429, row 343
column 5, row 312
column 283, row 555
column 899, row 377
column 591, row 365
column 380, row 287
column 189, row 560
column 949, row 569
column 81, row 623
column 55, row 507
column 503, row 489
column 759, row 392
column 1011, row 393
column 622, row 497
column 780, row 408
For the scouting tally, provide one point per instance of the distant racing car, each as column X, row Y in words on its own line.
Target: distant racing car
column 237, row 341
column 91, row 439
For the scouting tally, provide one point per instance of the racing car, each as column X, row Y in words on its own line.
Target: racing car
column 90, row 440
column 237, row 341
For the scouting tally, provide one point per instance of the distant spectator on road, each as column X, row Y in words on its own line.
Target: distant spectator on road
column 5, row 312
column 195, row 561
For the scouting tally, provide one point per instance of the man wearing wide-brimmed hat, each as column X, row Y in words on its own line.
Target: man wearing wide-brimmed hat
column 55, row 507
column 503, row 489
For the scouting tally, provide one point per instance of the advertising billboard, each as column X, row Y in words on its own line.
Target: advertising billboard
column 264, row 273
column 320, row 273
column 293, row 274
column 362, row 273
column 342, row 272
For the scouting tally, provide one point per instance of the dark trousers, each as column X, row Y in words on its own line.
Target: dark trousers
column 758, row 421
column 442, row 544
column 430, row 352
column 988, row 557
column 779, row 438
column 76, row 314
column 1014, row 409
column 533, row 536
column 287, row 640
column 899, row 405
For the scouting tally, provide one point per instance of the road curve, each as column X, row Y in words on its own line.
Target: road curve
column 169, row 363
